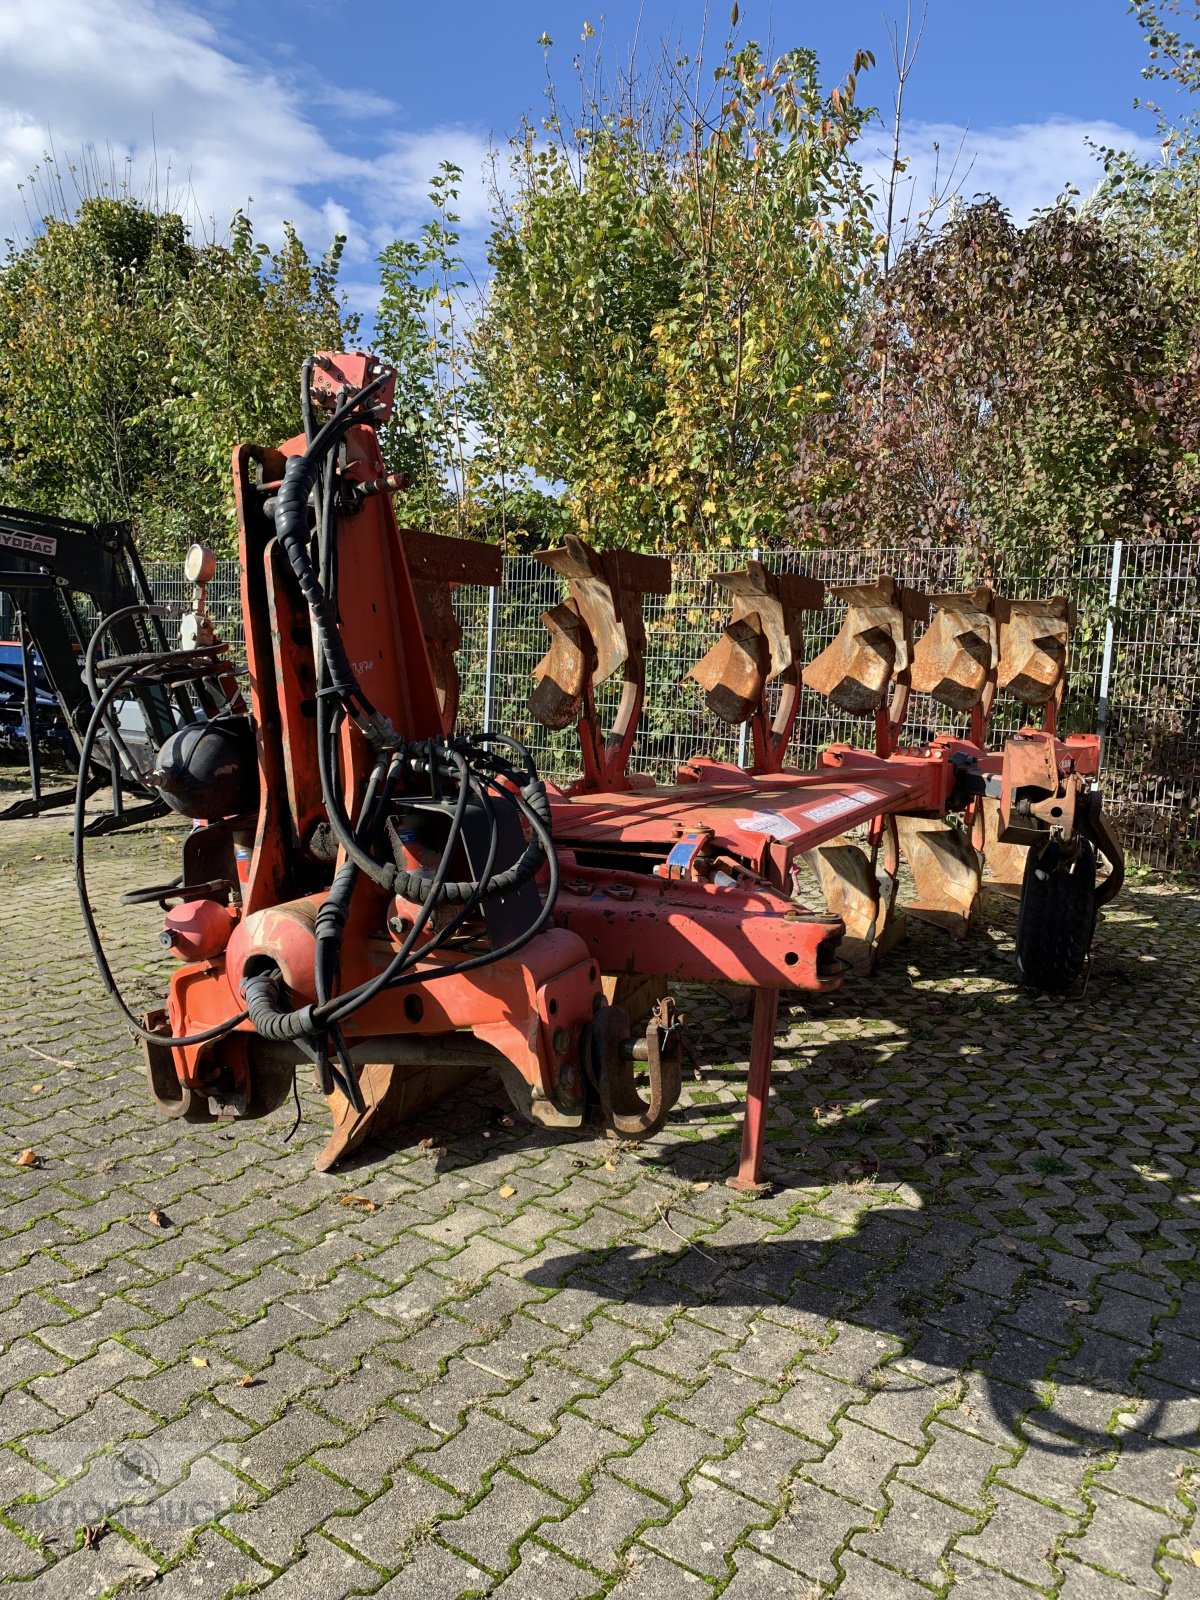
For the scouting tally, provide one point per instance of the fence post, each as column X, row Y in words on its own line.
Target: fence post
column 1106, row 666
column 489, row 661
column 755, row 555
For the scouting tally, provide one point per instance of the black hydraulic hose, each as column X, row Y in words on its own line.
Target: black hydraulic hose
column 111, row 725
column 354, row 999
column 306, row 405
column 291, row 527
column 485, row 958
column 380, row 872
column 120, row 679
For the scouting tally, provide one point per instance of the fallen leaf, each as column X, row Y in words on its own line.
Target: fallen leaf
column 199, row 1361
column 508, row 1122
column 362, row 1201
column 507, row 1191
column 1194, row 1557
column 29, row 1158
column 160, row 1219
column 1007, row 1244
column 249, row 1381
column 1078, row 1305
column 36, row 1088
column 700, row 1187
column 39, row 858
column 93, row 1534
column 425, row 1144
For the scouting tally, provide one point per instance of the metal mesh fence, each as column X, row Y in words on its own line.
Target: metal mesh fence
column 1135, row 670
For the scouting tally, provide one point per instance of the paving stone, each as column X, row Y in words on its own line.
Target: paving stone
column 20, row 1559
column 484, row 1442
column 92, row 1572
column 276, row 1527
column 385, row 1529
column 295, row 1436
column 1081, row 1582
column 720, row 1403
column 73, row 1391
column 761, row 1465
column 536, row 1404
column 756, row 1577
column 575, row 1452
column 372, row 1453
column 811, row 1404
column 1018, row 1538
column 1156, row 1476
column 214, row 1569
column 169, row 1522
column 664, row 1459
column 323, row 1571
column 1122, row 1537
column 955, row 1466
column 916, row 1534
column 434, row 1571
column 702, row 1536
column 543, row 1574
column 865, row 1581
column 1052, row 1468
column 508, row 1512
column 815, row 1524
column 444, row 1400
column 859, row 1464
column 975, row 1582
column 626, row 1405
column 902, row 1407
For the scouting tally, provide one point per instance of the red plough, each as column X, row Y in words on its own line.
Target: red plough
column 401, row 904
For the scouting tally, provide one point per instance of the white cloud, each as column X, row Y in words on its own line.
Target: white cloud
column 1026, row 166
column 148, row 86
column 151, row 84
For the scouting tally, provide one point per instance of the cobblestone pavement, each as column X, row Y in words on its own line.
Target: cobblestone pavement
column 957, row 1348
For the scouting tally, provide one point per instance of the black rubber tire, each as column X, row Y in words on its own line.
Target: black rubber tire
column 1057, row 919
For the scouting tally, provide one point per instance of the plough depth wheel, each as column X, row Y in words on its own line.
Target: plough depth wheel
column 1058, row 915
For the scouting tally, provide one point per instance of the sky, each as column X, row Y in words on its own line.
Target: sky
column 334, row 115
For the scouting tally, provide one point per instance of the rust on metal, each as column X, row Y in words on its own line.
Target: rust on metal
column 439, row 564
column 763, row 642
column 955, row 658
column 598, row 630
column 1034, row 641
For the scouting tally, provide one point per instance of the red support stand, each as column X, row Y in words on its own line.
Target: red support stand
column 748, row 1178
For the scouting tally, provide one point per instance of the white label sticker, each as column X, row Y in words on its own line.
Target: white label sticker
column 840, row 805
column 34, row 544
column 770, row 823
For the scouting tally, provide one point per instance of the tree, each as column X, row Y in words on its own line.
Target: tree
column 671, row 273
column 132, row 359
column 1024, row 410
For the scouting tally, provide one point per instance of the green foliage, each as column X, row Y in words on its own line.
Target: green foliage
column 1009, row 394
column 133, row 359
column 670, row 278
column 439, row 435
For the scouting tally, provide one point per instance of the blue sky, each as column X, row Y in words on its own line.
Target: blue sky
column 334, row 115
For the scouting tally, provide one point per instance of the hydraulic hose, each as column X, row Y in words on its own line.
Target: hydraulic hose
column 120, row 679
